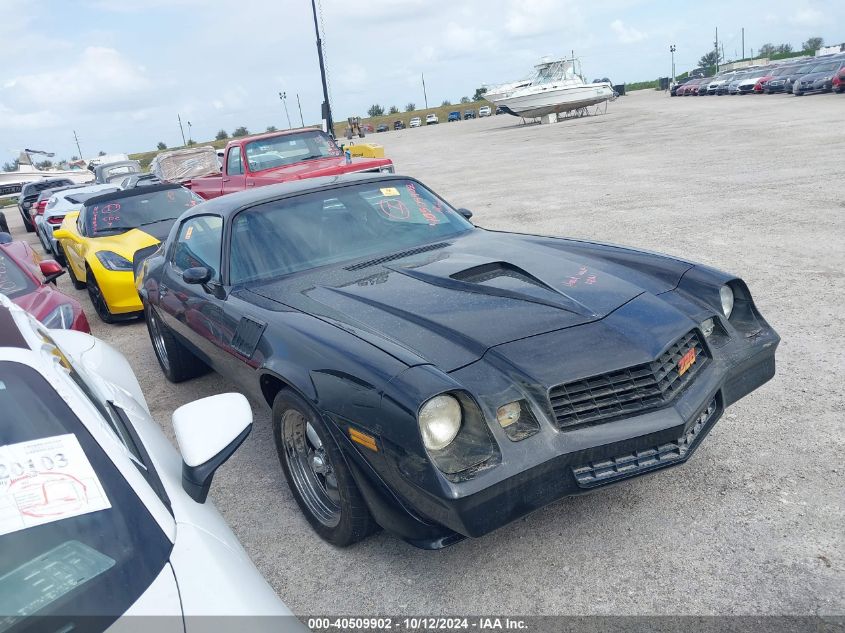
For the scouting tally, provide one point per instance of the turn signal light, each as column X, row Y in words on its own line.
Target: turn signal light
column 365, row 440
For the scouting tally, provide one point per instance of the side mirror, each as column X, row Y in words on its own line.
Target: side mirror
column 466, row 213
column 51, row 269
column 197, row 275
column 208, row 432
column 62, row 234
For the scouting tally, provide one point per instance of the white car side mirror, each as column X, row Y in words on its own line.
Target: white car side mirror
column 209, row 431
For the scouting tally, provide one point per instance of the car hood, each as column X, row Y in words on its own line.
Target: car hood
column 330, row 166
column 448, row 303
column 42, row 301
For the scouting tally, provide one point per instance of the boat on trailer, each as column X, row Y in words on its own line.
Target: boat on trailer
column 555, row 89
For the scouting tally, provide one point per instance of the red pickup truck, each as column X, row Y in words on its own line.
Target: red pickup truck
column 267, row 159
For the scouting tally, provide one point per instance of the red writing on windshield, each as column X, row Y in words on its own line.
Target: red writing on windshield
column 418, row 200
column 105, row 217
column 394, row 209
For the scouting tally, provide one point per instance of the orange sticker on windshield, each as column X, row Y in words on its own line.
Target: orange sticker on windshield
column 389, row 191
column 189, row 232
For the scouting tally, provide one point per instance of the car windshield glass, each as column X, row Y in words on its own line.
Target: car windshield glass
column 283, row 150
column 75, row 537
column 14, row 282
column 337, row 225
column 824, row 67
column 109, row 217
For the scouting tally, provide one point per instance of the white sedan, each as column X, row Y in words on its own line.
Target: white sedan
column 58, row 206
column 431, row 119
column 99, row 515
column 416, row 121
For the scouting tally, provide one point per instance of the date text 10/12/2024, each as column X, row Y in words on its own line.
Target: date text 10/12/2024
column 480, row 623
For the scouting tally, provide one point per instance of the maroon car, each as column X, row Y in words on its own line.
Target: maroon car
column 30, row 282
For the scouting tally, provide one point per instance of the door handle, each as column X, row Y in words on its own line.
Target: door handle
column 250, row 184
column 226, row 179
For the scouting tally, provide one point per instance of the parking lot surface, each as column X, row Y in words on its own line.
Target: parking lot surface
column 753, row 523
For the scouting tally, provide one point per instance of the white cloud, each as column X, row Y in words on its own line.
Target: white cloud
column 627, row 34
column 808, row 16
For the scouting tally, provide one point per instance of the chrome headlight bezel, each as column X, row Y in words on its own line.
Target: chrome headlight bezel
column 727, row 299
column 439, row 419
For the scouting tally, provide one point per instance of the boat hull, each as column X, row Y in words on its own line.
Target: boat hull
column 554, row 101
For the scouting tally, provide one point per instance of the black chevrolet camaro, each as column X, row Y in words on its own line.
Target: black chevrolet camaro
column 435, row 378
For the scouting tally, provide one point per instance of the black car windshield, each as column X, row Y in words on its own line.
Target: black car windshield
column 14, row 282
column 76, row 539
column 287, row 149
column 110, row 217
column 337, row 225
column 820, row 68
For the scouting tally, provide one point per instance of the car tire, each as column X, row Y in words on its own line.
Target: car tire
column 95, row 294
column 4, row 225
column 177, row 362
column 79, row 285
column 44, row 245
column 798, row 94
column 27, row 223
column 317, row 474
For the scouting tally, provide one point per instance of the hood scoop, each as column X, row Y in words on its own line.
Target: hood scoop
column 502, row 279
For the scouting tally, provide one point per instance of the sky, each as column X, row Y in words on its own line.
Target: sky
column 119, row 72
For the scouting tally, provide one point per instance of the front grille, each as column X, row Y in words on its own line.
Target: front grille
column 627, row 391
column 607, row 470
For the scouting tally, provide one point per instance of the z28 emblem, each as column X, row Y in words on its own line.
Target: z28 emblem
column 687, row 361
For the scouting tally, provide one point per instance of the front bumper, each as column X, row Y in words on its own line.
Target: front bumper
column 119, row 291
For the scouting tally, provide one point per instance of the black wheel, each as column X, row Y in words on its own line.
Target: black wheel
column 177, row 362
column 97, row 298
column 317, row 473
column 45, row 245
column 27, row 223
column 79, row 285
column 4, row 225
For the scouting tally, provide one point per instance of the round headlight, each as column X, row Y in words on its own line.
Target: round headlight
column 727, row 297
column 440, row 421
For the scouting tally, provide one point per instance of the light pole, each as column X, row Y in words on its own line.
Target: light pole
column 672, row 50
column 327, row 108
column 284, row 96
column 190, row 136
column 301, row 120
column 181, row 129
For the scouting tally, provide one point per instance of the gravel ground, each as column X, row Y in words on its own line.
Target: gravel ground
column 754, row 522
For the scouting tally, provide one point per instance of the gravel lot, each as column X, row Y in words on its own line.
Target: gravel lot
column 754, row 523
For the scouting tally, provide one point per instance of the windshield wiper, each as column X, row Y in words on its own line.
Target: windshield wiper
column 155, row 221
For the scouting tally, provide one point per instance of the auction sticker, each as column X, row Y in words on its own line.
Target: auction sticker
column 389, row 191
column 46, row 480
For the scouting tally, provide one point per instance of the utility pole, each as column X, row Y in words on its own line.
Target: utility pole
column 301, row 120
column 743, row 42
column 327, row 108
column 284, row 96
column 425, row 96
column 181, row 129
column 78, row 149
column 716, row 44
column 672, row 50
column 190, row 136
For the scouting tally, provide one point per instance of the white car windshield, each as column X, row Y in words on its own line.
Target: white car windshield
column 76, row 539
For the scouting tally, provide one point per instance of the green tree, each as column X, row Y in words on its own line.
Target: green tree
column 479, row 94
column 222, row 135
column 767, row 50
column 375, row 110
column 446, row 102
column 240, row 131
column 161, row 145
column 44, row 164
column 393, row 110
column 783, row 48
column 464, row 99
column 709, row 59
column 812, row 44
column 191, row 142
column 13, row 166
column 410, row 107
column 271, row 128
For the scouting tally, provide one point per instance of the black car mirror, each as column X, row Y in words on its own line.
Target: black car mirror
column 197, row 275
column 466, row 213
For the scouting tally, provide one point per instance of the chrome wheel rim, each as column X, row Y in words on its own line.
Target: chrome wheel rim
column 158, row 340
column 310, row 468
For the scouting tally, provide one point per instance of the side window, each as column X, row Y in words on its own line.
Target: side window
column 235, row 165
column 199, row 244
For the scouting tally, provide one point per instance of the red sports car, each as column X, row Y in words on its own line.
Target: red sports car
column 838, row 81
column 28, row 281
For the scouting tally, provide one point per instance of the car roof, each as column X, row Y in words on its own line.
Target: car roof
column 258, row 137
column 129, row 193
column 232, row 203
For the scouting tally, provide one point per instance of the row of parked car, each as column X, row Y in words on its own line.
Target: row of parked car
column 799, row 77
column 432, row 119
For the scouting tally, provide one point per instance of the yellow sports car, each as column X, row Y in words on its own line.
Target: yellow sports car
column 101, row 240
